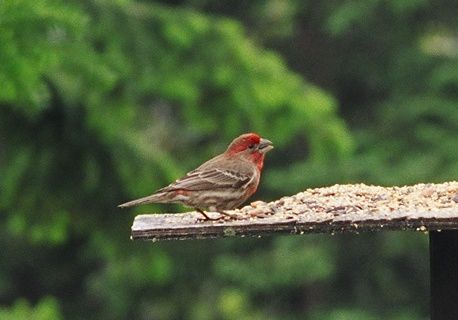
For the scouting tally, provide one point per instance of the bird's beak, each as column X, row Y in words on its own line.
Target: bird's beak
column 265, row 145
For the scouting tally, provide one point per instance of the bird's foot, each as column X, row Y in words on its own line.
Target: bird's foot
column 206, row 217
column 223, row 216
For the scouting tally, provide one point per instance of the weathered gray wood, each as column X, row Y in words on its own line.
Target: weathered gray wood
column 185, row 226
column 340, row 208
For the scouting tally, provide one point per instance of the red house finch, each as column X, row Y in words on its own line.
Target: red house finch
column 222, row 183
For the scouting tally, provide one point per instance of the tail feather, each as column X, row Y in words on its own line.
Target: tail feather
column 154, row 198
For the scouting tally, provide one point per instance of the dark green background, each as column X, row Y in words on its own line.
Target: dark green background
column 105, row 101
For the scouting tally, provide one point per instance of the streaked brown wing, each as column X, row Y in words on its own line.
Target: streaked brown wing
column 209, row 179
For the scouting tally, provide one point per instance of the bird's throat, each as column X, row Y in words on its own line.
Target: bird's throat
column 258, row 159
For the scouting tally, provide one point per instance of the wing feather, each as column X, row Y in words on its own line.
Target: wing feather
column 209, row 179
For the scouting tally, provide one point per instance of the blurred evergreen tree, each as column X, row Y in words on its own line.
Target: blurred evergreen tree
column 46, row 309
column 392, row 67
column 102, row 101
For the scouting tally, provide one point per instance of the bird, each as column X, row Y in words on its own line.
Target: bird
column 222, row 183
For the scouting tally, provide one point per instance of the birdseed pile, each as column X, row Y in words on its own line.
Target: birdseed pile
column 358, row 201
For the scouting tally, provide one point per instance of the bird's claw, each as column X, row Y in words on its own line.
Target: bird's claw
column 208, row 218
column 223, row 216
column 205, row 217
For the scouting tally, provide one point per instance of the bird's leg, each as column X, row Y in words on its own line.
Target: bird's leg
column 206, row 217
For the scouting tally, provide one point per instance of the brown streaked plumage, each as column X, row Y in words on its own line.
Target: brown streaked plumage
column 222, row 183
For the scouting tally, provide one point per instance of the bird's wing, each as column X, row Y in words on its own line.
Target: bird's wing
column 210, row 179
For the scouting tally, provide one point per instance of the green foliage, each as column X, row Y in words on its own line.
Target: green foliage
column 46, row 309
column 287, row 263
column 102, row 101
column 30, row 50
column 117, row 102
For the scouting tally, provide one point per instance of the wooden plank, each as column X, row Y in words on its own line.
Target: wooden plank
column 444, row 274
column 340, row 208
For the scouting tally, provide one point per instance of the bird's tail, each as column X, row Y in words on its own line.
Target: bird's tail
column 154, row 198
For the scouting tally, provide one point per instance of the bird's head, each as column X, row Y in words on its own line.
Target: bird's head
column 250, row 146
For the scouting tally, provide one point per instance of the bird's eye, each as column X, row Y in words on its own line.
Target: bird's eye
column 251, row 146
